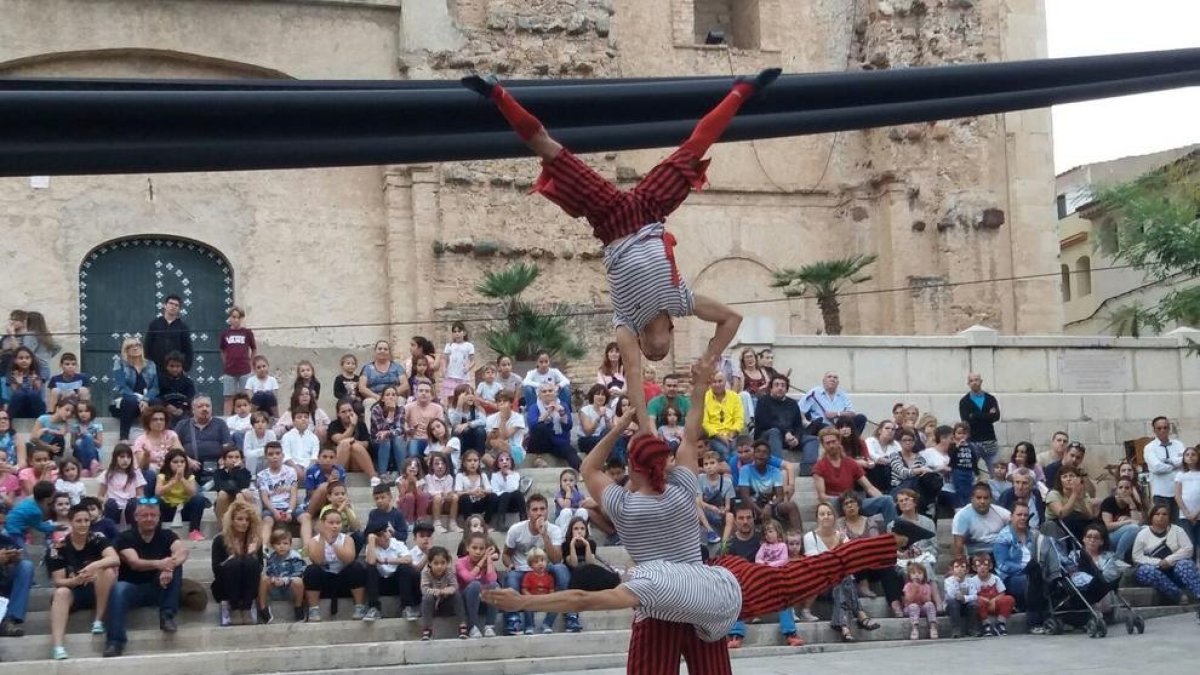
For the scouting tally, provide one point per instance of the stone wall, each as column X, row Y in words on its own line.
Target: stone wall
column 1101, row 390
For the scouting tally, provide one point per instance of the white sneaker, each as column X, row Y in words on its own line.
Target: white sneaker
column 489, row 632
column 411, row 614
column 808, row 617
column 374, row 481
column 439, row 528
column 454, row 527
column 547, row 630
column 475, row 634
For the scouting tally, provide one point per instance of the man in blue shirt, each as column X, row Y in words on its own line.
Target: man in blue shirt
column 760, row 486
column 16, row 577
column 745, row 457
column 826, row 404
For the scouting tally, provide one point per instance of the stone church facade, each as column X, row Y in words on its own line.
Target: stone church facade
column 391, row 251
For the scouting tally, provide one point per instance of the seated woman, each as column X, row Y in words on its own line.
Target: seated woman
column 351, row 437
column 544, row 374
column 1122, row 516
column 1162, row 556
column 135, row 385
column 467, row 419
column 1067, row 505
column 237, row 564
column 750, row 381
column 923, row 552
column 549, row 422
column 24, row 390
column 880, row 449
column 857, row 526
column 303, row 399
column 1025, row 456
column 150, row 449
column 1101, row 571
column 82, row 570
column 334, row 570
column 387, row 432
column 611, row 374
column 910, row 472
column 380, row 373
column 595, row 418
column 846, row 606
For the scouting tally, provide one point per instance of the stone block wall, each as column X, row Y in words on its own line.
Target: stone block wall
column 1103, row 391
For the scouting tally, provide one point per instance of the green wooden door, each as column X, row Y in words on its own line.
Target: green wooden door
column 122, row 285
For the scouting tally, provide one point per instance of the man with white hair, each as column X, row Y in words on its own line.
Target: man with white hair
column 827, row 404
column 202, row 435
column 1023, row 490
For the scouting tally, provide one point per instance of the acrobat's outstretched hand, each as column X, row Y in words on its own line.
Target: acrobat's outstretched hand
column 481, row 84
column 762, row 80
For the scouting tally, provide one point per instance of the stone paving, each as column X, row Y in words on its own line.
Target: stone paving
column 1169, row 643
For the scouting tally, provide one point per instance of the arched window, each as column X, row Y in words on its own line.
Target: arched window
column 1083, row 270
column 1066, row 283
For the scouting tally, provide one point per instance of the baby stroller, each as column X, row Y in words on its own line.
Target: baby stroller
column 1076, row 587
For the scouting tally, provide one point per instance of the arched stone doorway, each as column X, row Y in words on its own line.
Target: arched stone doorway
column 122, row 284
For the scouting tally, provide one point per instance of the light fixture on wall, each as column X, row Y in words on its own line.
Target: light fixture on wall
column 715, row 37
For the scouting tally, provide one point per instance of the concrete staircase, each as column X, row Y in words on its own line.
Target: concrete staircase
column 339, row 644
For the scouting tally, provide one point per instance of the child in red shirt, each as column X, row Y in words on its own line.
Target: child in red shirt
column 538, row 581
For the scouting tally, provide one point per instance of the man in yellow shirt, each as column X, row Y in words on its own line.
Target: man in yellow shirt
column 723, row 417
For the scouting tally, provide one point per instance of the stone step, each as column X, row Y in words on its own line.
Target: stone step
column 281, row 647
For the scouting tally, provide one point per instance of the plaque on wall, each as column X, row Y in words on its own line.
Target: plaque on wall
column 1095, row 370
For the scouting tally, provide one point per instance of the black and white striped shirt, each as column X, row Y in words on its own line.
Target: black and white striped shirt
column 641, row 280
column 708, row 598
column 658, row 527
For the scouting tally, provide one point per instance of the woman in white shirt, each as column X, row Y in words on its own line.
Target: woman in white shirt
column 1162, row 557
column 880, row 449
column 1187, row 494
column 846, row 605
column 541, row 374
column 595, row 418
column 506, row 485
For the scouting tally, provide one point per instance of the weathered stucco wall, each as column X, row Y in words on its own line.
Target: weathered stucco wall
column 954, row 202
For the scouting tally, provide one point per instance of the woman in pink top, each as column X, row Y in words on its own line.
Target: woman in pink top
column 477, row 573
column 151, row 447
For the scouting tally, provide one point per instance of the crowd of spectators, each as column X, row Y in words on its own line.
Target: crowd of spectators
column 441, row 441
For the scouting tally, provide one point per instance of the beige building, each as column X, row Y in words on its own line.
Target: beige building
column 1093, row 283
column 391, row 251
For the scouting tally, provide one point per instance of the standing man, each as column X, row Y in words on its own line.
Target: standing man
column 827, row 404
column 981, row 410
column 1058, row 446
column 778, row 421
column 724, row 418
column 1164, row 457
column 168, row 333
column 151, row 574
column 670, row 397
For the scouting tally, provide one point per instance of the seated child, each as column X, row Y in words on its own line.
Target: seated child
column 176, row 389
column 232, row 480
column 240, row 422
column 87, row 439
column 995, row 605
column 918, row 597
column 34, row 512
column 389, row 570
column 69, row 480
column 70, row 384
column 538, row 581
column 100, row 524
column 962, row 599
column 999, row 480
column 262, row 387
column 282, row 579
column 386, row 513
column 439, row 593
column 10, row 485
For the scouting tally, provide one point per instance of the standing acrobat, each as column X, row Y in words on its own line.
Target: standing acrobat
column 645, row 285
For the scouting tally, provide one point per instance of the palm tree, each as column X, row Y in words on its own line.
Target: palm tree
column 1131, row 320
column 526, row 331
column 825, row 279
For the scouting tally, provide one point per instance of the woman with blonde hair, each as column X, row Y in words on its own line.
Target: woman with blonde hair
column 135, row 384
column 237, row 563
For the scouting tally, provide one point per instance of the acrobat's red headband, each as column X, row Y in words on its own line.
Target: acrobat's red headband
column 648, row 457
